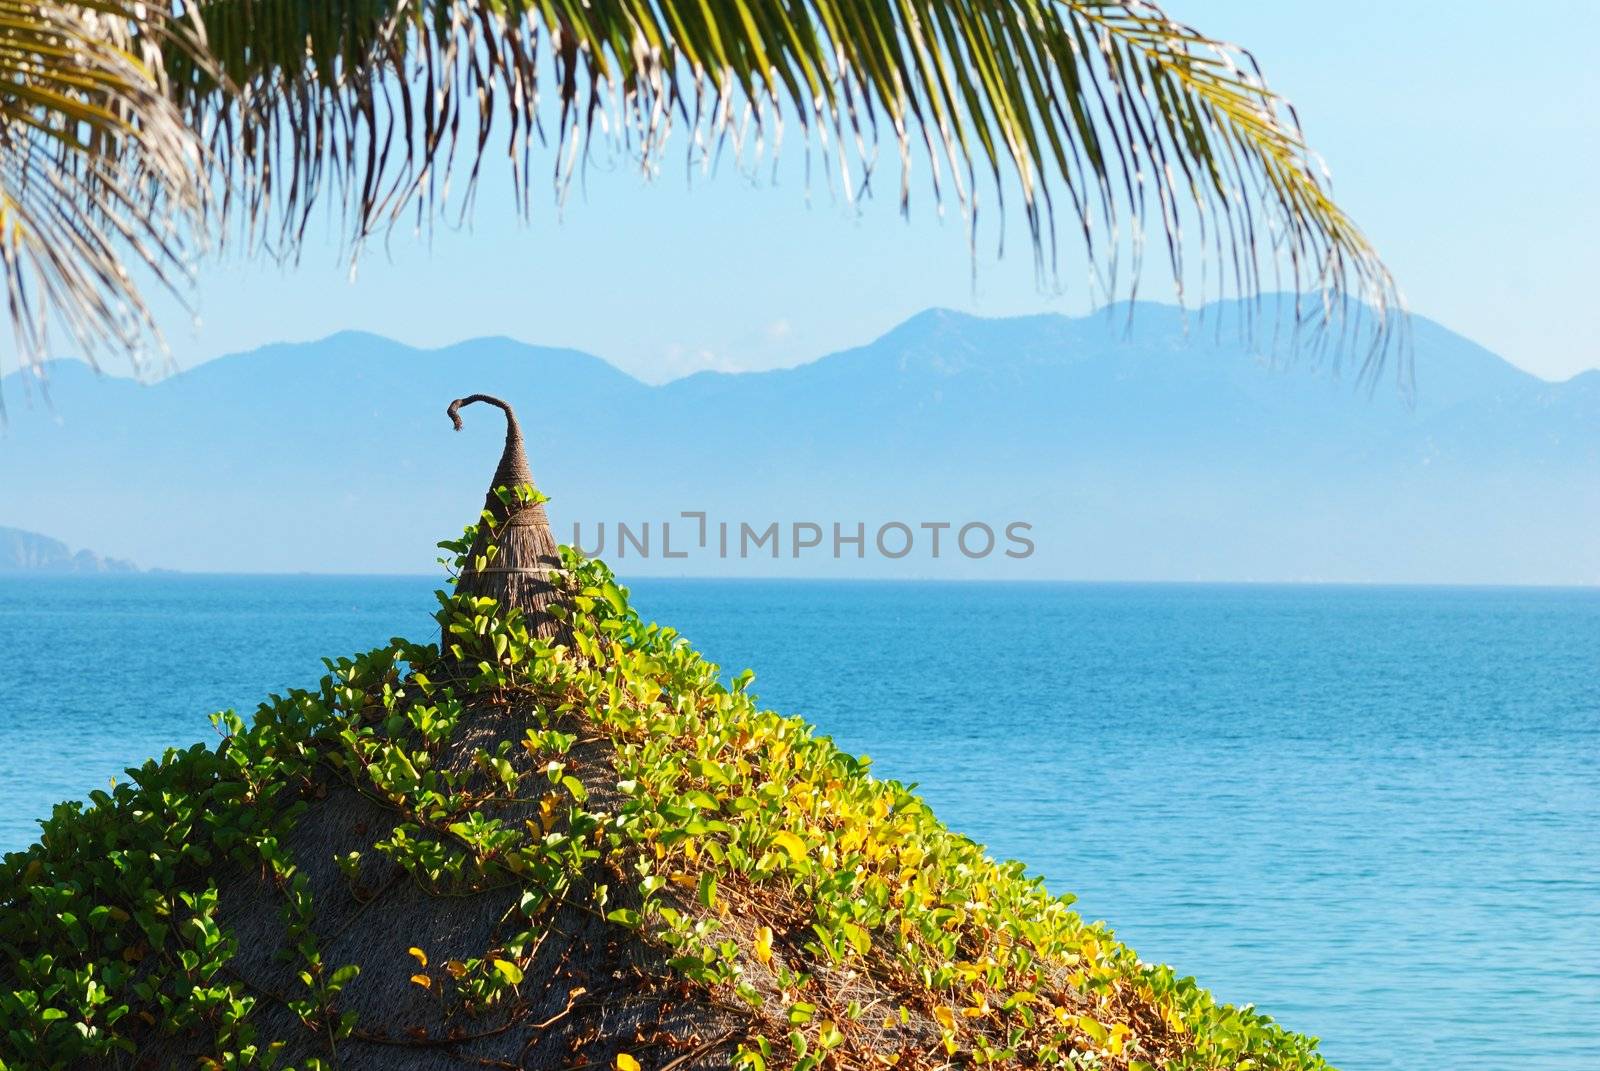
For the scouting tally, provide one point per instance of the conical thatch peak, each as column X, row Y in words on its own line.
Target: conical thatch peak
column 514, row 558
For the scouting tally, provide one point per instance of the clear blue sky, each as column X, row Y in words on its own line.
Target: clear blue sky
column 1464, row 137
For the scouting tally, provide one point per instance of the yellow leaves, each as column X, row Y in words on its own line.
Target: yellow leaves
column 1112, row 1039
column 547, row 811
column 764, row 944
column 800, row 797
column 947, row 1025
column 422, row 961
column 626, row 1062
column 792, row 845
column 456, row 968
column 508, row 970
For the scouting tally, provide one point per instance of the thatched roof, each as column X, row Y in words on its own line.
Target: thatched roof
column 591, row 990
column 519, row 570
column 589, row 855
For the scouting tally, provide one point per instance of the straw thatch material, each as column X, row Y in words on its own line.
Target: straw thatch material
column 523, row 572
column 593, row 988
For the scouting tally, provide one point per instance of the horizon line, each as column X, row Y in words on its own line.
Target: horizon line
column 166, row 574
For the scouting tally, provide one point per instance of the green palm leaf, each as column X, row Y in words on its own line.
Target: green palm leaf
column 1101, row 116
column 98, row 169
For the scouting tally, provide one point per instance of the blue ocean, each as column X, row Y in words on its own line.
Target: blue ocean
column 1374, row 812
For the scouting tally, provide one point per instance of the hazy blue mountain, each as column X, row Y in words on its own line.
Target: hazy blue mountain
column 1171, row 449
column 30, row 552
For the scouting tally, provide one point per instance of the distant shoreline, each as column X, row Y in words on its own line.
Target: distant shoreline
column 876, row 581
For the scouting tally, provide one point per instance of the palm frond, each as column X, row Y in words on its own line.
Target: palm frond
column 1103, row 113
column 98, row 171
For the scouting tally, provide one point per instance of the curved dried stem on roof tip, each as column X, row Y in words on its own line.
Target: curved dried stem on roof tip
column 513, row 470
column 454, row 411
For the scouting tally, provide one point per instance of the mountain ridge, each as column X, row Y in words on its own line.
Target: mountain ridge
column 1204, row 317
column 1156, row 452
